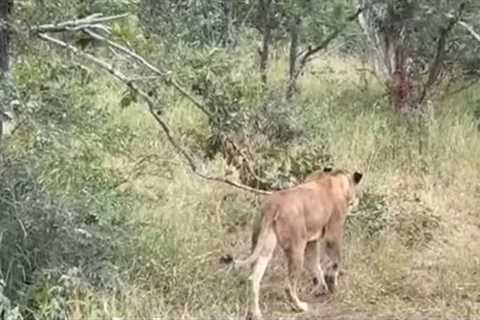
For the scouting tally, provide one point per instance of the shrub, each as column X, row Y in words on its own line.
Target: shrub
column 370, row 218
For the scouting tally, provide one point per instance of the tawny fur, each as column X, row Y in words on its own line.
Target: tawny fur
column 297, row 219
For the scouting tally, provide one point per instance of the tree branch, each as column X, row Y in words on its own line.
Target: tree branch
column 307, row 55
column 440, row 52
column 88, row 24
column 76, row 24
column 165, row 76
column 470, row 30
column 151, row 108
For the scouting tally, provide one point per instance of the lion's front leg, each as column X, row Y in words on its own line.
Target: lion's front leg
column 332, row 247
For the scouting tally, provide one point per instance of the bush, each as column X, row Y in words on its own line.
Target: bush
column 60, row 215
column 38, row 234
column 370, row 218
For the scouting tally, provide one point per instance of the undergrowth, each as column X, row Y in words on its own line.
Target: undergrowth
column 100, row 217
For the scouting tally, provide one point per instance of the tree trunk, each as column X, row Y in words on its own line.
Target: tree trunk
column 6, row 7
column 292, row 71
column 265, row 16
column 386, row 26
column 229, row 34
column 206, row 28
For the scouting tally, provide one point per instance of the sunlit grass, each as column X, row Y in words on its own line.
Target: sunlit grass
column 182, row 224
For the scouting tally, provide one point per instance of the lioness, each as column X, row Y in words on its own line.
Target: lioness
column 297, row 219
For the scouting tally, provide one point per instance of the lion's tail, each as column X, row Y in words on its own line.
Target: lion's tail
column 265, row 227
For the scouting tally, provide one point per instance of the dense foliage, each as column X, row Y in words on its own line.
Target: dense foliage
column 100, row 216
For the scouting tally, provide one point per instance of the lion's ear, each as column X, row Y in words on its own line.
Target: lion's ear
column 357, row 176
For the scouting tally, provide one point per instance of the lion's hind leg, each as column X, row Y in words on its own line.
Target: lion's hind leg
column 295, row 256
column 314, row 266
column 259, row 267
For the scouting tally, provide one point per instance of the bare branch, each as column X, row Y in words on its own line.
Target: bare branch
column 440, row 52
column 76, row 24
column 470, row 30
column 307, row 55
column 88, row 25
column 151, row 108
column 166, row 76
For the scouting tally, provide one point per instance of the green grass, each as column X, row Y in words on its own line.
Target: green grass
column 435, row 158
column 180, row 225
column 188, row 226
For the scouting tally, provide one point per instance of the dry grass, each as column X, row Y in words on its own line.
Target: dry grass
column 414, row 269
